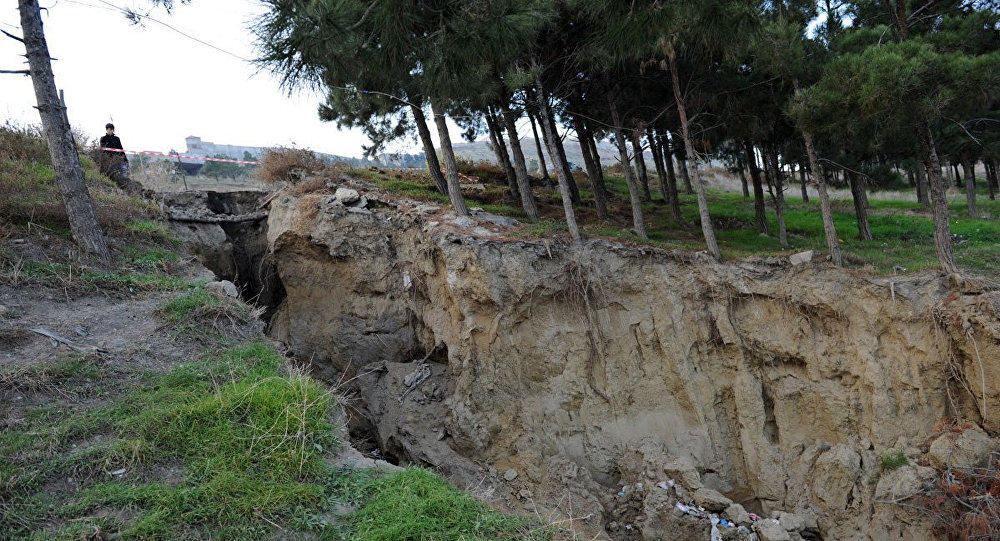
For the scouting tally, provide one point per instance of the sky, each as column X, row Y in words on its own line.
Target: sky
column 159, row 87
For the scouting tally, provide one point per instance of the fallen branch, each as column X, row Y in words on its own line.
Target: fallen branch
column 68, row 343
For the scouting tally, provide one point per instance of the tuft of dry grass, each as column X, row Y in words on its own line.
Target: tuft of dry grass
column 290, row 165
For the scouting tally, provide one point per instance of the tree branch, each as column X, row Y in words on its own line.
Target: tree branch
column 16, row 72
column 12, row 36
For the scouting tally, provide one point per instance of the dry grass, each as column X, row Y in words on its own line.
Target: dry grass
column 291, row 165
column 29, row 194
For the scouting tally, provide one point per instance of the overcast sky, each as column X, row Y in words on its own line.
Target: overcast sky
column 158, row 86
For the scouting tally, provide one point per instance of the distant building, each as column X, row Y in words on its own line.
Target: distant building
column 197, row 147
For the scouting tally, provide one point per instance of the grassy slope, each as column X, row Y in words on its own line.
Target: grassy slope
column 902, row 230
column 231, row 445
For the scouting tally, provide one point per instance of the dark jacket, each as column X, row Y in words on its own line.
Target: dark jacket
column 112, row 141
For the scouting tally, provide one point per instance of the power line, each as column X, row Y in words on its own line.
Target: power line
column 108, row 6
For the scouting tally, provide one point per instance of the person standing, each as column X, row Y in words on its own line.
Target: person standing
column 114, row 164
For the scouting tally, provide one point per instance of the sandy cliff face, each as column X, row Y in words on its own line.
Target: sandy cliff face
column 585, row 369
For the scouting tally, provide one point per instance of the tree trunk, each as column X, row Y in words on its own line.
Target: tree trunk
column 562, row 170
column 538, row 148
column 829, row 230
column 743, row 178
column 574, row 190
column 430, row 156
column 500, row 149
column 661, row 171
column 970, row 187
column 593, row 169
column 760, row 211
column 668, row 161
column 639, row 224
column 939, row 202
column 450, row 167
column 777, row 182
column 958, row 175
column 802, row 179
column 520, row 169
column 860, row 209
column 640, row 162
column 85, row 229
column 706, row 221
column 991, row 177
column 921, row 174
column 597, row 158
column 682, row 165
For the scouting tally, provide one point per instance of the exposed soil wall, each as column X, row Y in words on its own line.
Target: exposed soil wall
column 583, row 369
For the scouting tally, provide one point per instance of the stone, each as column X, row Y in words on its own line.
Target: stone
column 427, row 209
column 223, row 288
column 525, row 494
column 346, row 195
column 897, row 484
column 801, row 257
column 737, row 513
column 510, row 475
column 670, row 524
column 790, row 521
column 771, row 530
column 970, row 448
column 463, row 222
column 711, row 499
column 836, row 472
column 495, row 219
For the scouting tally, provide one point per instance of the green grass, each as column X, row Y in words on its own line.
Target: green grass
column 246, row 445
column 893, row 460
column 416, row 504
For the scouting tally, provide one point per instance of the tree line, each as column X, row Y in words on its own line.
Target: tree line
column 858, row 92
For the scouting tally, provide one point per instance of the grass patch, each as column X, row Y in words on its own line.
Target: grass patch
column 246, row 444
column 892, row 460
column 416, row 504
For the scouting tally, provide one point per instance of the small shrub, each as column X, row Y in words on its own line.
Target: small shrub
column 893, row 460
column 289, row 165
column 23, row 143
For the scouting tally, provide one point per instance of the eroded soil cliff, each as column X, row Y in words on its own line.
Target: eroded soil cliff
column 552, row 375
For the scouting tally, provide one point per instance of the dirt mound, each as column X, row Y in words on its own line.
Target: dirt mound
column 585, row 370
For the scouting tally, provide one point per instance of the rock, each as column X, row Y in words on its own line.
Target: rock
column 771, row 530
column 427, row 208
column 970, row 448
column 670, row 524
column 4, row 311
column 495, row 219
column 481, row 232
column 711, row 499
column 463, row 222
column 801, row 257
column 525, row 494
column 735, row 534
column 358, row 210
column 223, row 288
column 790, row 521
column 346, row 195
column 330, row 183
column 897, row 484
column 836, row 472
column 736, row 513
column 510, row 475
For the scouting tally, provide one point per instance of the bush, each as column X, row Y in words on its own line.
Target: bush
column 290, row 165
column 23, row 144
